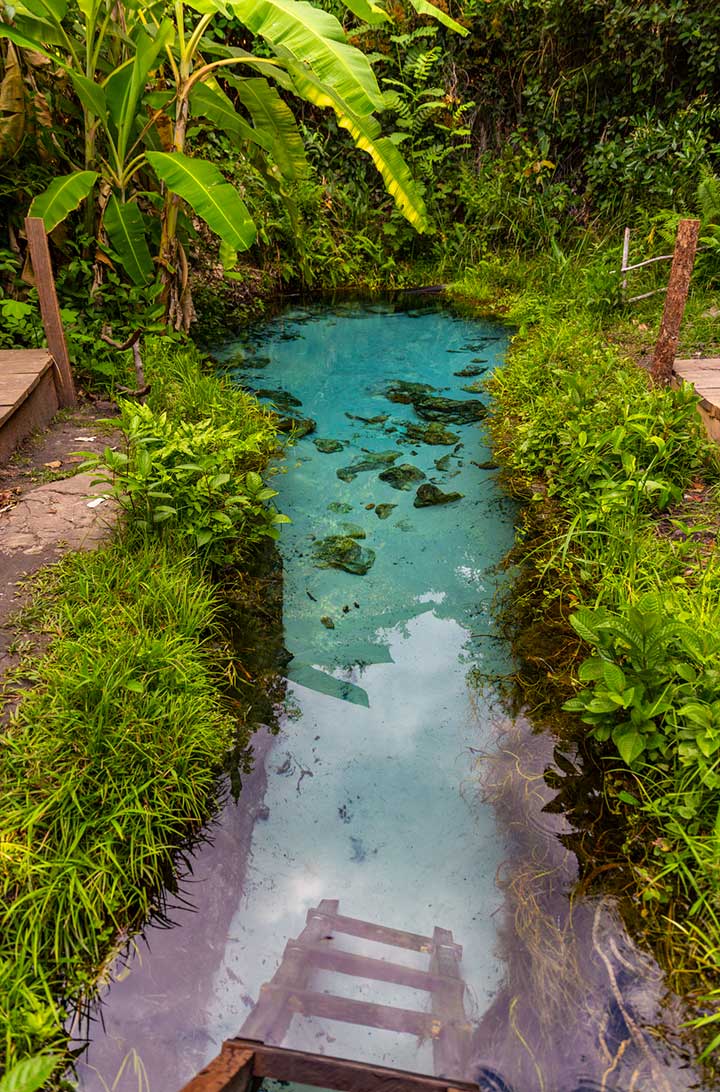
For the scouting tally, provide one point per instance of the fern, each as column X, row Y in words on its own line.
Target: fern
column 708, row 197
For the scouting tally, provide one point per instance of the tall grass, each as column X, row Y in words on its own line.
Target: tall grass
column 108, row 765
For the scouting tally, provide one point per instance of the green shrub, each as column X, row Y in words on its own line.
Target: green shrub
column 190, row 482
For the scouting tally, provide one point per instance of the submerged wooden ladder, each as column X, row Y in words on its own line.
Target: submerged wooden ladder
column 290, row 992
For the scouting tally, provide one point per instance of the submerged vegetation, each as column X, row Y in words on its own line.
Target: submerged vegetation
column 189, row 161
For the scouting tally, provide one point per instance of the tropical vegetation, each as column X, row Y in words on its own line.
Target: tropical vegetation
column 190, row 160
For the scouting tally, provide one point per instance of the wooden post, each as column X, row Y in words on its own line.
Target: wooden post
column 677, row 291
column 49, row 309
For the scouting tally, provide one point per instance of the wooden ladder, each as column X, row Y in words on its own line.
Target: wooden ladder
column 290, row 992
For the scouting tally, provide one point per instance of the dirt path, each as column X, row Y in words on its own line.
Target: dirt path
column 48, row 509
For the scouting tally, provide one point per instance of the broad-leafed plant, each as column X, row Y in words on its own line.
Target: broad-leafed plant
column 141, row 71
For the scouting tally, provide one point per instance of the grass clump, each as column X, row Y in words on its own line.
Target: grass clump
column 107, row 766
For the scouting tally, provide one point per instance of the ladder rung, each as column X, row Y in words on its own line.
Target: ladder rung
column 398, row 938
column 350, row 1011
column 382, row 970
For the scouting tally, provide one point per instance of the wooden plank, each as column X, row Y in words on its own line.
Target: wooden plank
column 398, row 938
column 230, row 1071
column 49, row 309
column 328, row 1006
column 327, row 958
column 709, row 361
column 677, row 291
column 451, row 1045
column 14, row 390
column 322, row 1071
column 24, row 361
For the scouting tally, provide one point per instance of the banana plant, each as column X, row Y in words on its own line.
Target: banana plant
column 133, row 132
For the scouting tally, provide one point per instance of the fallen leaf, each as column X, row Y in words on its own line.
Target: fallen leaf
column 54, row 464
column 84, row 439
column 95, row 503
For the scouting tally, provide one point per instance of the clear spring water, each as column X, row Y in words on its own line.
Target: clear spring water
column 398, row 786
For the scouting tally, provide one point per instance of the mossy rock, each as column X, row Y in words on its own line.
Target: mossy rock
column 398, row 390
column 343, row 552
column 470, row 372
column 443, row 463
column 373, row 460
column 433, row 433
column 450, row 410
column 379, row 419
column 428, row 496
column 283, row 399
column 328, row 447
column 353, row 530
column 339, row 506
column 403, row 476
column 382, row 511
column 298, row 426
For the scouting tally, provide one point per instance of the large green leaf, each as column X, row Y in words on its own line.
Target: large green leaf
column 366, row 134
column 266, row 66
column 62, row 196
column 423, row 7
column 203, row 187
column 368, row 11
column 30, row 1074
column 315, row 38
column 214, row 104
column 274, row 122
column 125, row 229
column 125, row 86
column 91, row 95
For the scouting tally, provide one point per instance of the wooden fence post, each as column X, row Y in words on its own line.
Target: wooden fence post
column 677, row 291
column 49, row 309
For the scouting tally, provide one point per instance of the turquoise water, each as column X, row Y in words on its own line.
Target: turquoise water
column 398, row 791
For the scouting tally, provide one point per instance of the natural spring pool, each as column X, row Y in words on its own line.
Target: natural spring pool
column 399, row 792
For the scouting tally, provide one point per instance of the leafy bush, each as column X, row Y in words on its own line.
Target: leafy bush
column 653, row 688
column 188, row 481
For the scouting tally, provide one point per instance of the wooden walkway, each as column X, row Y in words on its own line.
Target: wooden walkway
column 20, row 372
column 704, row 375
column 28, row 395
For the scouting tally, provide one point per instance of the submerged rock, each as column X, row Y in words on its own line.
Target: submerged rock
column 444, row 463
column 328, row 447
column 434, row 433
column 436, row 408
column 339, row 506
column 475, row 388
column 398, row 390
column 281, row 398
column 352, row 530
column 489, row 465
column 380, row 419
column 428, row 495
column 403, row 476
column 382, row 511
column 327, row 621
column 343, row 552
column 373, row 461
column 470, row 372
column 298, row 426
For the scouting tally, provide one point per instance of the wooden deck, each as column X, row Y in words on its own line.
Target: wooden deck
column 28, row 395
